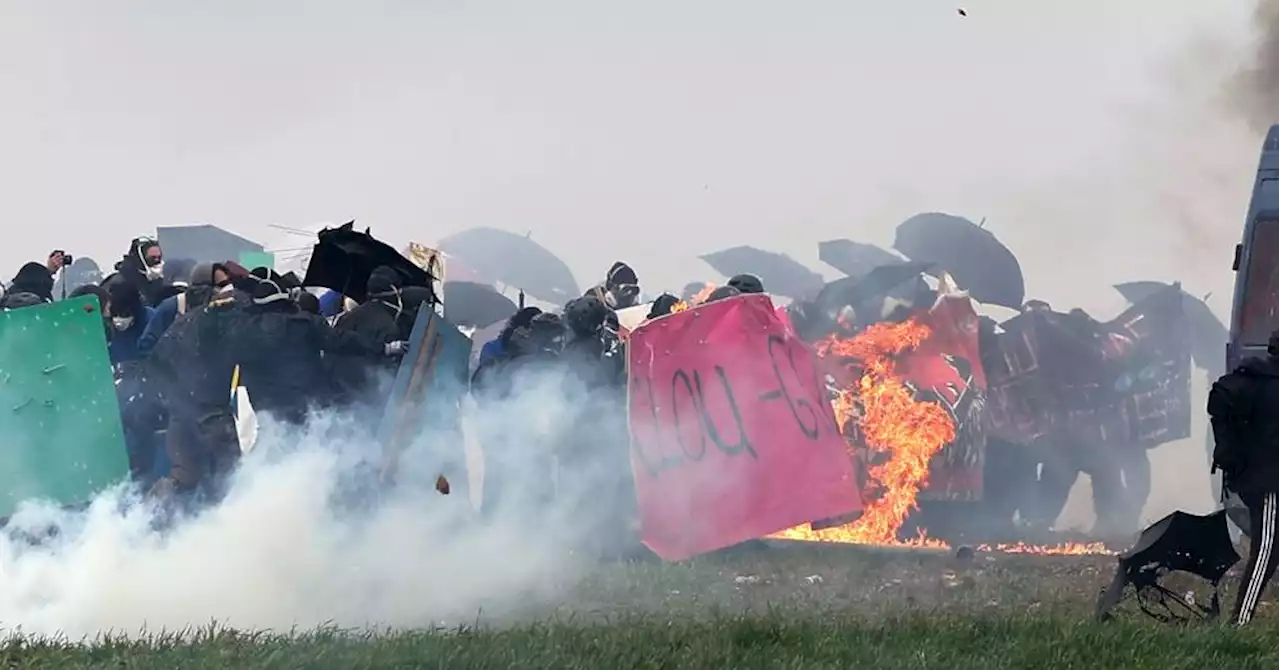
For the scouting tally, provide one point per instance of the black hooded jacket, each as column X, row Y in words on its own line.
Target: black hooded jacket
column 282, row 354
column 193, row 361
column 386, row 316
column 31, row 286
column 1243, row 412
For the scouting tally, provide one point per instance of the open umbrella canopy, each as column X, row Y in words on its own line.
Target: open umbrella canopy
column 515, row 260
column 979, row 262
column 475, row 305
column 1180, row 542
column 1208, row 334
column 856, row 258
column 901, row 281
column 866, row 295
column 343, row 259
column 780, row 274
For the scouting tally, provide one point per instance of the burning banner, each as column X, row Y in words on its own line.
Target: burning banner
column 910, row 399
column 732, row 437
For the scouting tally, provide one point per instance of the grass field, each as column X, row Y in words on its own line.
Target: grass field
column 807, row 607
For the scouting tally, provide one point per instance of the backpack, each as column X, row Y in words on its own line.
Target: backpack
column 1231, row 407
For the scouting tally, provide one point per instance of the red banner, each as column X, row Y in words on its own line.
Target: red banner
column 732, row 437
column 947, row 369
column 1122, row 383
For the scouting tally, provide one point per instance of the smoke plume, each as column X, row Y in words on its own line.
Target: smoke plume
column 292, row 545
column 1254, row 90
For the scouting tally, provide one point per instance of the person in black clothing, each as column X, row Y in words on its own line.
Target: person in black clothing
column 746, row 283
column 280, row 352
column 32, row 285
column 308, row 303
column 1242, row 410
column 192, row 367
column 143, row 267
column 621, row 287
column 387, row 315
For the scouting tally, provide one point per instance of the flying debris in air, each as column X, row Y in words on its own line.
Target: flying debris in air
column 961, row 12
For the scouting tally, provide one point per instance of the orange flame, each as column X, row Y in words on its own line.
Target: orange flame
column 695, row 300
column 901, row 436
column 902, row 433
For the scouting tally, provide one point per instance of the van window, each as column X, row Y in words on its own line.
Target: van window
column 1258, row 314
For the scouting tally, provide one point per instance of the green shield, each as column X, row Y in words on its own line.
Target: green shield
column 59, row 417
column 257, row 259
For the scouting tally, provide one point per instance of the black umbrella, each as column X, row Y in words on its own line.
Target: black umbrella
column 475, row 305
column 780, row 274
column 343, row 259
column 865, row 294
column 979, row 262
column 855, row 258
column 513, row 259
column 897, row 281
column 1208, row 334
column 1180, row 542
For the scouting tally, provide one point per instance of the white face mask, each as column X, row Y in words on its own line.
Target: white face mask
column 397, row 306
column 155, row 271
column 121, row 322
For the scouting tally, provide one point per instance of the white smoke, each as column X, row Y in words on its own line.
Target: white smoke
column 277, row 553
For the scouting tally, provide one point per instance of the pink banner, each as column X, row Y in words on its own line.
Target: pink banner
column 732, row 437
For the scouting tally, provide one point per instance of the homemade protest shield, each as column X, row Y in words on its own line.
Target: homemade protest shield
column 424, row 403
column 59, row 417
column 732, row 437
column 1123, row 383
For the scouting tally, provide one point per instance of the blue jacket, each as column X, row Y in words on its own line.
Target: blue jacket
column 124, row 344
column 491, row 349
column 162, row 317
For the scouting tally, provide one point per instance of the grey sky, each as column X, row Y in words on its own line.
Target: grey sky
column 649, row 131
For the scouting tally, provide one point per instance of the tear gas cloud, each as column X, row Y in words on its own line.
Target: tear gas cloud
column 1103, row 141
column 293, row 546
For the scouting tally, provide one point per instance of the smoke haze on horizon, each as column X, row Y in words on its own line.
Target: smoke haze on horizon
column 1102, row 141
column 652, row 132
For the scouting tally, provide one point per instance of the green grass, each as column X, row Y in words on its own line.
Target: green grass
column 800, row 607
column 777, row 640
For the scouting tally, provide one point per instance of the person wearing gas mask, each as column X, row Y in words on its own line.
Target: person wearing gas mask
column 390, row 309
column 206, row 281
column 143, row 266
column 386, row 316
column 281, row 350
column 621, row 288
